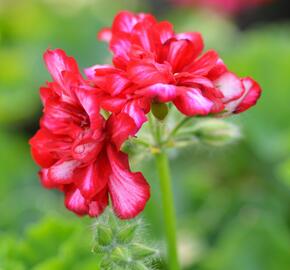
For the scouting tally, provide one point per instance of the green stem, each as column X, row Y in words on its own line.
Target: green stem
column 178, row 126
column 162, row 164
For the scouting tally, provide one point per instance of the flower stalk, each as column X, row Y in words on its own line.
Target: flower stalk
column 169, row 218
column 163, row 169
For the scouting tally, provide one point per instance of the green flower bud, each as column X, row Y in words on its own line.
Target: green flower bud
column 105, row 235
column 140, row 251
column 119, row 254
column 216, row 132
column 159, row 110
column 126, row 234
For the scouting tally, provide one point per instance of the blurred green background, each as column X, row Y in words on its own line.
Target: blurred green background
column 232, row 202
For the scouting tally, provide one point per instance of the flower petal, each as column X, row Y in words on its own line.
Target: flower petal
column 195, row 38
column 137, row 110
column 248, row 99
column 120, row 127
column 178, row 53
column 105, row 35
column 129, row 191
column 230, row 86
column 63, row 171
column 159, row 91
column 74, row 201
column 99, row 203
column 93, row 178
column 204, row 64
column 146, row 73
column 191, row 102
column 253, row 93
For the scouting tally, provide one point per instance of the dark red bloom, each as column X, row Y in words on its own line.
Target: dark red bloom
column 79, row 151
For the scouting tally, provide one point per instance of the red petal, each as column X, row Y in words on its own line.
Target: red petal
column 90, row 103
column 159, row 91
column 63, row 171
column 136, row 109
column 178, row 53
column 105, row 35
column 164, row 30
column 230, row 86
column 120, row 127
column 191, row 102
column 195, row 38
column 144, row 74
column 253, row 92
column 125, row 21
column 46, row 181
column 129, row 191
column 204, row 64
column 145, row 37
column 99, row 203
column 63, row 70
column 75, row 202
column 113, row 104
column 93, row 178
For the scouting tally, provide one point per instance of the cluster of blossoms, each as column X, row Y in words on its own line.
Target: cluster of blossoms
column 79, row 149
column 227, row 6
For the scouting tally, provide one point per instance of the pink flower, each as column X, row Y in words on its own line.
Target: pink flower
column 79, row 151
column 158, row 65
column 227, row 6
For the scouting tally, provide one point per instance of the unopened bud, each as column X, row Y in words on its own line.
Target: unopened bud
column 216, row 132
column 140, row 251
column 119, row 254
column 104, row 234
column 126, row 234
column 159, row 110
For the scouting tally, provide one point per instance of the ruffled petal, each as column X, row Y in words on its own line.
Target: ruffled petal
column 204, row 64
column 178, row 53
column 93, row 178
column 129, row 191
column 230, row 86
column 137, row 110
column 191, row 102
column 98, row 203
column 74, row 201
column 247, row 100
column 120, row 127
column 64, row 71
column 165, row 31
column 253, row 93
column 63, row 171
column 144, row 73
column 89, row 100
column 195, row 38
column 160, row 92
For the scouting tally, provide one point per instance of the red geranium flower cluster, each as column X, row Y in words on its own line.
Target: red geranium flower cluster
column 80, row 151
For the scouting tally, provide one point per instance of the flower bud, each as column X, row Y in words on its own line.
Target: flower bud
column 216, row 132
column 119, row 255
column 159, row 110
column 126, row 234
column 140, row 251
column 104, row 234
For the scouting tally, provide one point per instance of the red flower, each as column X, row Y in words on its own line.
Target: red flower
column 161, row 66
column 78, row 149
